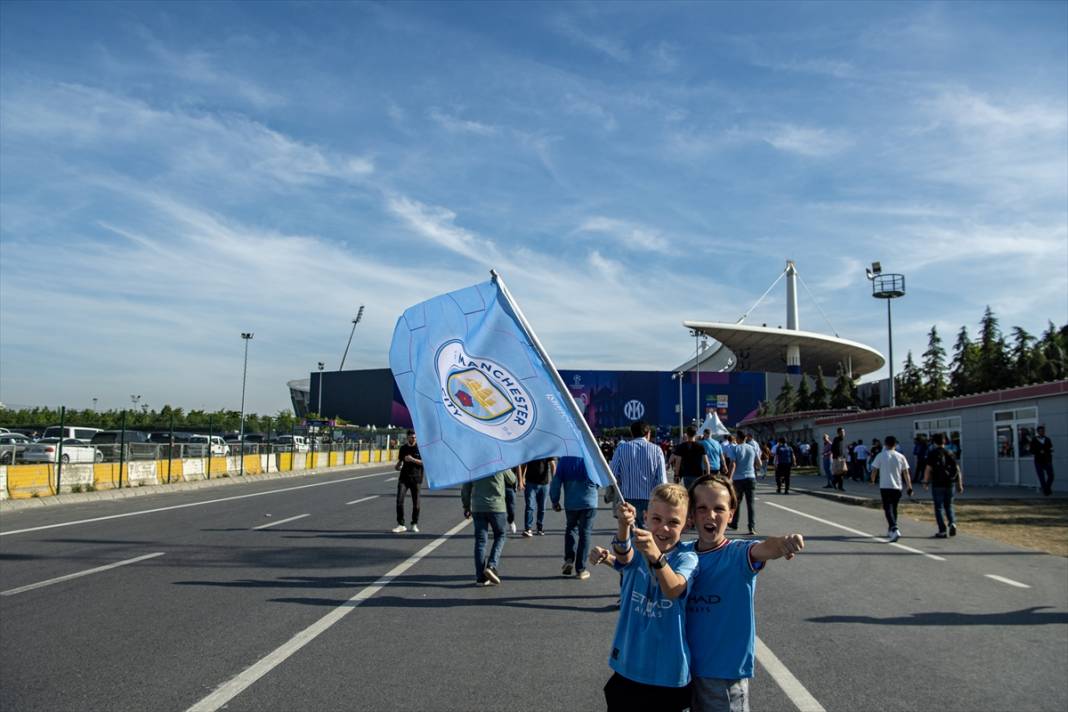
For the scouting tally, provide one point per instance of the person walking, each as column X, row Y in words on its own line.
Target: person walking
column 1042, row 451
column 580, row 508
column 839, row 463
column 483, row 501
column 745, row 460
column 690, row 460
column 825, row 461
column 410, row 479
column 943, row 474
column 784, row 462
column 714, row 451
column 891, row 470
column 639, row 468
column 536, row 477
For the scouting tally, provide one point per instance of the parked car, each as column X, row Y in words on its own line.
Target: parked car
column 296, row 442
column 255, row 437
column 12, row 445
column 164, row 438
column 137, row 444
column 47, row 450
column 70, row 431
column 198, row 446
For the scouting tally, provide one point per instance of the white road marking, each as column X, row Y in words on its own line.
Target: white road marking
column 87, row 572
column 1009, row 581
column 280, row 521
column 238, row 684
column 801, row 697
column 362, row 499
column 854, row 531
column 188, row 504
column 392, row 479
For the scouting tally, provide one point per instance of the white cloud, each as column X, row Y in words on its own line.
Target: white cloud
column 608, row 46
column 805, row 141
column 581, row 106
column 455, row 124
column 438, row 224
column 626, row 235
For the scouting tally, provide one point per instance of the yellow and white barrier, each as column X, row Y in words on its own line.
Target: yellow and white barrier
column 39, row 480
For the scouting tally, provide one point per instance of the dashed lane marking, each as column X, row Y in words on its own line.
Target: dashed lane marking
column 280, row 521
column 236, row 685
column 1009, row 581
column 187, row 504
column 79, row 574
column 854, row 531
column 362, row 499
column 798, row 694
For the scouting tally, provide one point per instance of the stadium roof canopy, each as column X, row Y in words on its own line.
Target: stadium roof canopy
column 762, row 348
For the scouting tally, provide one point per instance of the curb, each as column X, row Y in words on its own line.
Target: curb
column 17, row 505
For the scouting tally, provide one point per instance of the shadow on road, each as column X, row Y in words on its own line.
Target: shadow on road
column 1034, row 615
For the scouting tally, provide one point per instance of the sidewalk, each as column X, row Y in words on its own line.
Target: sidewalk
column 866, row 494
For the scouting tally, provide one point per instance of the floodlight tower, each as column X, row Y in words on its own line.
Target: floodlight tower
column 359, row 316
column 889, row 287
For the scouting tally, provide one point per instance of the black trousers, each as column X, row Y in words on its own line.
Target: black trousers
column 890, row 499
column 744, row 488
column 404, row 483
column 782, row 477
column 626, row 695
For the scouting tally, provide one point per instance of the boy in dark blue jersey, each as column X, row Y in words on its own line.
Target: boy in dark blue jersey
column 720, row 618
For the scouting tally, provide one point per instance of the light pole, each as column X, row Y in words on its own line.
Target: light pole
column 94, row 405
column 359, row 315
column 246, row 336
column 319, row 405
column 678, row 376
column 888, row 287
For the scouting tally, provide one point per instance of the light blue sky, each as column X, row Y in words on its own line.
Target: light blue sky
column 174, row 174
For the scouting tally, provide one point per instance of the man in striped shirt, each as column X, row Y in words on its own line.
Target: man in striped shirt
column 638, row 464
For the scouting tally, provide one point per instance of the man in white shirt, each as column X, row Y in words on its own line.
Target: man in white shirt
column 892, row 471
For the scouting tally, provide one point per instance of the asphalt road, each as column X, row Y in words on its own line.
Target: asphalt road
column 330, row 611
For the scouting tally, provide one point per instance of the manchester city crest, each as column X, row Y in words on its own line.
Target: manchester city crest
column 483, row 394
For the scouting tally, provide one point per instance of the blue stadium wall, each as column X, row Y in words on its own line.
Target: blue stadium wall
column 610, row 399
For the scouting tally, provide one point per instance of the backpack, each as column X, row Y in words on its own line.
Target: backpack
column 944, row 469
column 784, row 455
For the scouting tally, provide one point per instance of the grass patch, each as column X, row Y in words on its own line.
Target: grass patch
column 1041, row 525
column 75, row 489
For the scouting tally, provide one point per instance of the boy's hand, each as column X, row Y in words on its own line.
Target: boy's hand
column 627, row 515
column 599, row 555
column 644, row 542
column 789, row 545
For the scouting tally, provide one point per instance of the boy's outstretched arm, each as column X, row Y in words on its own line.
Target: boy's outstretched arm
column 778, row 547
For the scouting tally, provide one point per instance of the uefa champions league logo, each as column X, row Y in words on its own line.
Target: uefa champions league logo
column 482, row 394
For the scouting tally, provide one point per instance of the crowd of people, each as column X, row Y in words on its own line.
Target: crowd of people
column 686, row 590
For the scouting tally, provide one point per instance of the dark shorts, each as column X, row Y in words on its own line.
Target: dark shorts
column 624, row 695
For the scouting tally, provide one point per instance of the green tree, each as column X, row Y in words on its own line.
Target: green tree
column 820, row 399
column 964, row 375
column 909, row 383
column 803, row 400
column 1024, row 365
column 934, row 367
column 1053, row 347
column 994, row 363
column 785, row 401
column 844, row 394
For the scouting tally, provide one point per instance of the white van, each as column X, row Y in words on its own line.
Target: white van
column 297, row 442
column 198, row 446
column 67, row 432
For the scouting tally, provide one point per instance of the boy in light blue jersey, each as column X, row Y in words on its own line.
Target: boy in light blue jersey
column 649, row 653
column 720, row 617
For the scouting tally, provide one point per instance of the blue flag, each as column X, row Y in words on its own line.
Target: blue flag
column 481, row 397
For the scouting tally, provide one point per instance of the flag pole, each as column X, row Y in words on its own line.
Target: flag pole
column 569, row 402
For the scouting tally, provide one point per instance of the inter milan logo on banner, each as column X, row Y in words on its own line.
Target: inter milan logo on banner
column 634, row 409
column 482, row 394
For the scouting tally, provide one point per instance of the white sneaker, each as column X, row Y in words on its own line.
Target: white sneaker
column 399, row 529
column 511, row 527
column 415, row 527
column 894, row 536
